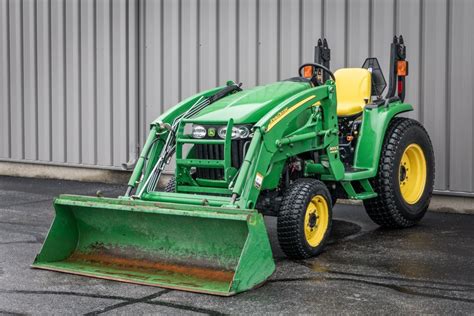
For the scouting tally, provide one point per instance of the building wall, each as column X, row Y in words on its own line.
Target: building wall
column 68, row 81
column 80, row 80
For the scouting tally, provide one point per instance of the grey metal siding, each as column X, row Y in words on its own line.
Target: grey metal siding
column 461, row 96
column 68, row 73
column 80, row 80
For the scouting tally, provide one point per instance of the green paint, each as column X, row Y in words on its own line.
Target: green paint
column 211, row 239
column 374, row 124
column 250, row 105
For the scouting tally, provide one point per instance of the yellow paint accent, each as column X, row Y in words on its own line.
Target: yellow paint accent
column 318, row 207
column 277, row 118
column 353, row 87
column 412, row 173
column 317, row 103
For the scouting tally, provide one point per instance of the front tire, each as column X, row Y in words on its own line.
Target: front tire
column 305, row 219
column 405, row 178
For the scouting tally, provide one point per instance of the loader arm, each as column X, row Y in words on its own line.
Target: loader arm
column 154, row 143
column 276, row 138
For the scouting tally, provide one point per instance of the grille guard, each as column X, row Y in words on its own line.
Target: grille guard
column 220, row 171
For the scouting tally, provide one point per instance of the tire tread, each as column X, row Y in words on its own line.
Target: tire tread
column 382, row 209
column 290, row 234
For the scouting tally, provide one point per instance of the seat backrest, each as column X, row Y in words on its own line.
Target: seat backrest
column 353, row 87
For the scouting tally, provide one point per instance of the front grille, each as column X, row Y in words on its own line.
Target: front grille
column 216, row 152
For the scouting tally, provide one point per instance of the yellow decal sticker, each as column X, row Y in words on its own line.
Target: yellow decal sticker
column 333, row 149
column 277, row 118
column 258, row 180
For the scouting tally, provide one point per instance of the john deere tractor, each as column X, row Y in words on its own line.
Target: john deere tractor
column 288, row 149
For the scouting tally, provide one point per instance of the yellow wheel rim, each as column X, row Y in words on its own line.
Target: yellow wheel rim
column 316, row 220
column 412, row 174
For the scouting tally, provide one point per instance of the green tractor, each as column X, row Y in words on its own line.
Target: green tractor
column 288, row 149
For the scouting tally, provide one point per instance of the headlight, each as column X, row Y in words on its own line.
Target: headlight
column 244, row 132
column 237, row 132
column 198, row 131
column 223, row 131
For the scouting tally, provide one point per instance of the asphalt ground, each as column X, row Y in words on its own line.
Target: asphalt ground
column 427, row 269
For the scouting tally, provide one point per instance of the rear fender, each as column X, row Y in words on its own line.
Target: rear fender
column 375, row 122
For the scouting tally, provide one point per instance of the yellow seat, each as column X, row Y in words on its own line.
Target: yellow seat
column 353, row 87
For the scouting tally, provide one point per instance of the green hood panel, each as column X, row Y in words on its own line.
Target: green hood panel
column 249, row 106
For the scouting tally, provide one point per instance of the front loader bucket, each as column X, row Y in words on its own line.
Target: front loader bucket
column 205, row 249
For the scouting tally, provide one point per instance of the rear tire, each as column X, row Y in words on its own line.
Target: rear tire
column 305, row 219
column 405, row 178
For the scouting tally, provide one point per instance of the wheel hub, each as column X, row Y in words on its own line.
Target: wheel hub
column 316, row 220
column 412, row 173
column 403, row 173
column 312, row 220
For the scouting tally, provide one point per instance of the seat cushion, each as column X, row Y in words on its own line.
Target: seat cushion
column 353, row 87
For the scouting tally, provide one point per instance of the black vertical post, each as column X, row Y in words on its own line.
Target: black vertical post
column 396, row 84
column 322, row 56
column 392, row 77
column 401, row 53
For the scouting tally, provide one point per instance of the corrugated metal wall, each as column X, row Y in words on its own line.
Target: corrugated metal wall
column 102, row 66
column 68, row 81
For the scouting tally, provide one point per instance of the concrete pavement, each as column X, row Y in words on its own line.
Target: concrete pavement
column 365, row 269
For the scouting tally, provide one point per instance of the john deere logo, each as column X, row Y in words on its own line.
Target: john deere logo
column 211, row 132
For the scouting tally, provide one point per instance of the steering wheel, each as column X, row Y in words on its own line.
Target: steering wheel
column 314, row 77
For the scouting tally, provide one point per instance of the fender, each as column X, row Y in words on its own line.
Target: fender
column 375, row 122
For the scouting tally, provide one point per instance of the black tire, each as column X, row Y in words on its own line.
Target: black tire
column 390, row 208
column 171, row 185
column 291, row 218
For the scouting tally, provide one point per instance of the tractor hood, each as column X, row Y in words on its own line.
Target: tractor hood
column 248, row 106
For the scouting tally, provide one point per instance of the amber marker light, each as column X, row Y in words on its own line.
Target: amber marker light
column 402, row 68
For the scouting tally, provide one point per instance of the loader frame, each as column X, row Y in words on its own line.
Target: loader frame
column 271, row 146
